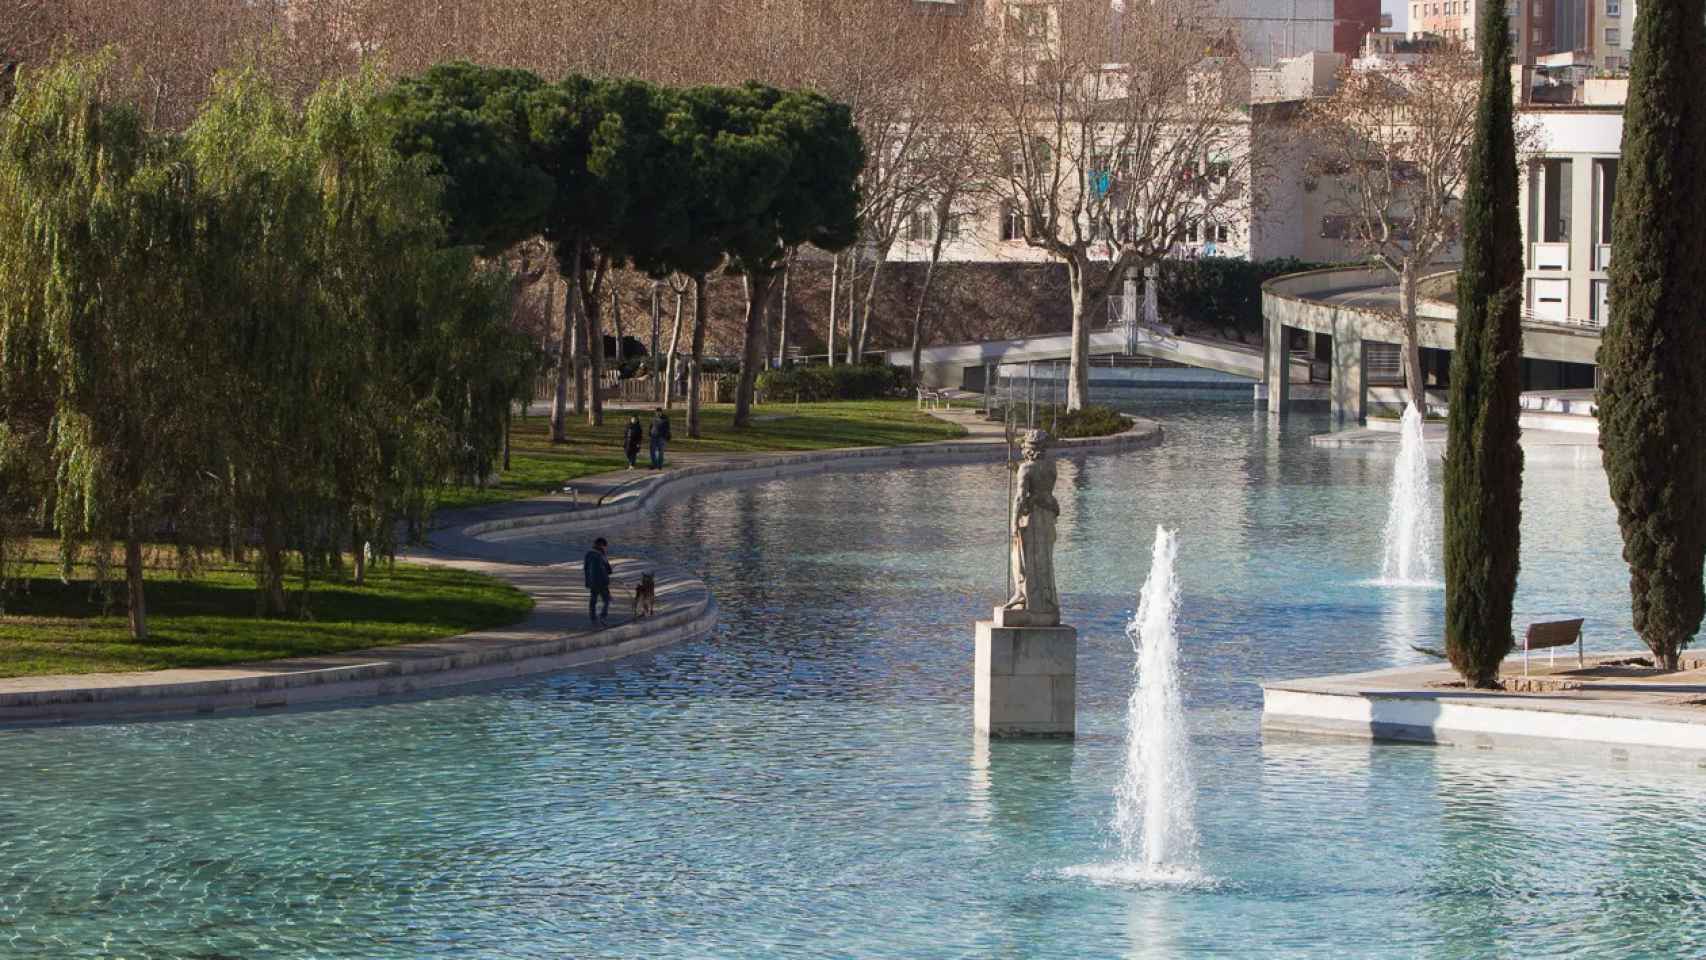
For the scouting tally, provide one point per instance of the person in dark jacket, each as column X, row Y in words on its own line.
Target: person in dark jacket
column 631, row 438
column 597, row 569
column 660, row 436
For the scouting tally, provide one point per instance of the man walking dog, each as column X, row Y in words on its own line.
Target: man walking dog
column 597, row 569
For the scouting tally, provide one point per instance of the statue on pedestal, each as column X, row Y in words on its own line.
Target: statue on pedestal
column 1034, row 513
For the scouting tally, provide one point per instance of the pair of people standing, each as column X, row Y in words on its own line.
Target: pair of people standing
column 659, row 437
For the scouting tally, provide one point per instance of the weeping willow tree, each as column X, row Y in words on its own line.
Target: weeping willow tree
column 104, row 346
column 368, row 362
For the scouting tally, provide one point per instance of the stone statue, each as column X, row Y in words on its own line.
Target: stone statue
column 1034, row 514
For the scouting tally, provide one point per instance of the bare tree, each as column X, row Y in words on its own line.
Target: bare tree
column 1391, row 146
column 953, row 186
column 1121, row 134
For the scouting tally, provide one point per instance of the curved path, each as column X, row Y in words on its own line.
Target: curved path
column 492, row 540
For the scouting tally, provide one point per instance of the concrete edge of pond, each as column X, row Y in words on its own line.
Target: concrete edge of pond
column 980, row 445
column 554, row 636
column 1646, row 721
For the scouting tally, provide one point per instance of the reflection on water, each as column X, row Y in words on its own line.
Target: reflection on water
column 805, row 782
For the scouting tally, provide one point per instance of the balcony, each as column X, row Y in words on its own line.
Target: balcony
column 1549, row 256
column 1602, row 256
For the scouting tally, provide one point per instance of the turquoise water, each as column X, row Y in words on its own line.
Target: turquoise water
column 804, row 783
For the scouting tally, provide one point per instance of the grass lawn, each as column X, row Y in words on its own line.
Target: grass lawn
column 53, row 627
column 538, row 466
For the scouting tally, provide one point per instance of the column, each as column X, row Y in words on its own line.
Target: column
column 1348, row 392
column 1277, row 364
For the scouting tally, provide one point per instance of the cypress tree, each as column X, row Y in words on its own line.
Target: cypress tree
column 1483, row 469
column 1652, row 402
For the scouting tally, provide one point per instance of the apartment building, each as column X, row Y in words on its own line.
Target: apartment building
column 1613, row 35
column 1566, row 202
column 1266, row 31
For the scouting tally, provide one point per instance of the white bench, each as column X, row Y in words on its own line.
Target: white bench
column 1550, row 635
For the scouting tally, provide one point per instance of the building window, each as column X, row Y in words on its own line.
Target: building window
column 1614, row 8
column 920, row 226
column 1536, row 34
column 1218, row 232
column 1029, row 23
column 1613, row 37
column 1512, row 10
column 951, row 229
column 1539, row 11
column 1012, row 223
column 1336, row 227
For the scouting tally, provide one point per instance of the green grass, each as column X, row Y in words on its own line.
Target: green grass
column 50, row 627
column 538, row 466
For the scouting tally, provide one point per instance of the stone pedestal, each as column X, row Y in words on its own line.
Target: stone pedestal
column 1026, row 677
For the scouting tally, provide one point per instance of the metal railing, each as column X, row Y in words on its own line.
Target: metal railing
column 1574, row 323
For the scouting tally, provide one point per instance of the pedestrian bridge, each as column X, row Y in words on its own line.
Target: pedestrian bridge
column 963, row 365
column 1348, row 309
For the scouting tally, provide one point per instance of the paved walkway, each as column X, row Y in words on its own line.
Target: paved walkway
column 556, row 635
column 598, row 500
column 1614, row 708
column 502, row 540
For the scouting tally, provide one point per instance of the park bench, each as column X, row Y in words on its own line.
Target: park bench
column 931, row 399
column 1551, row 635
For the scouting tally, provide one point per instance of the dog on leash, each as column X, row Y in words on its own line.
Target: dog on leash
column 645, row 596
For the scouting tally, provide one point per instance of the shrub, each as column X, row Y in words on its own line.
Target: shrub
column 814, row 384
column 1092, row 421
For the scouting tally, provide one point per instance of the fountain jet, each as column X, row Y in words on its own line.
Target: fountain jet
column 1411, row 554
column 1154, row 814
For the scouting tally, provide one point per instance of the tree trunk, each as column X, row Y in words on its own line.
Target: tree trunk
column 568, row 369
column 135, row 592
column 652, row 356
column 763, row 325
column 834, row 288
column 579, row 359
column 616, row 323
column 852, row 299
column 1415, row 381
column 674, row 351
column 358, row 550
column 782, row 311
column 863, row 341
column 272, row 569
column 758, row 291
column 1078, row 376
column 936, row 242
column 509, row 425
column 595, row 347
column 695, row 361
